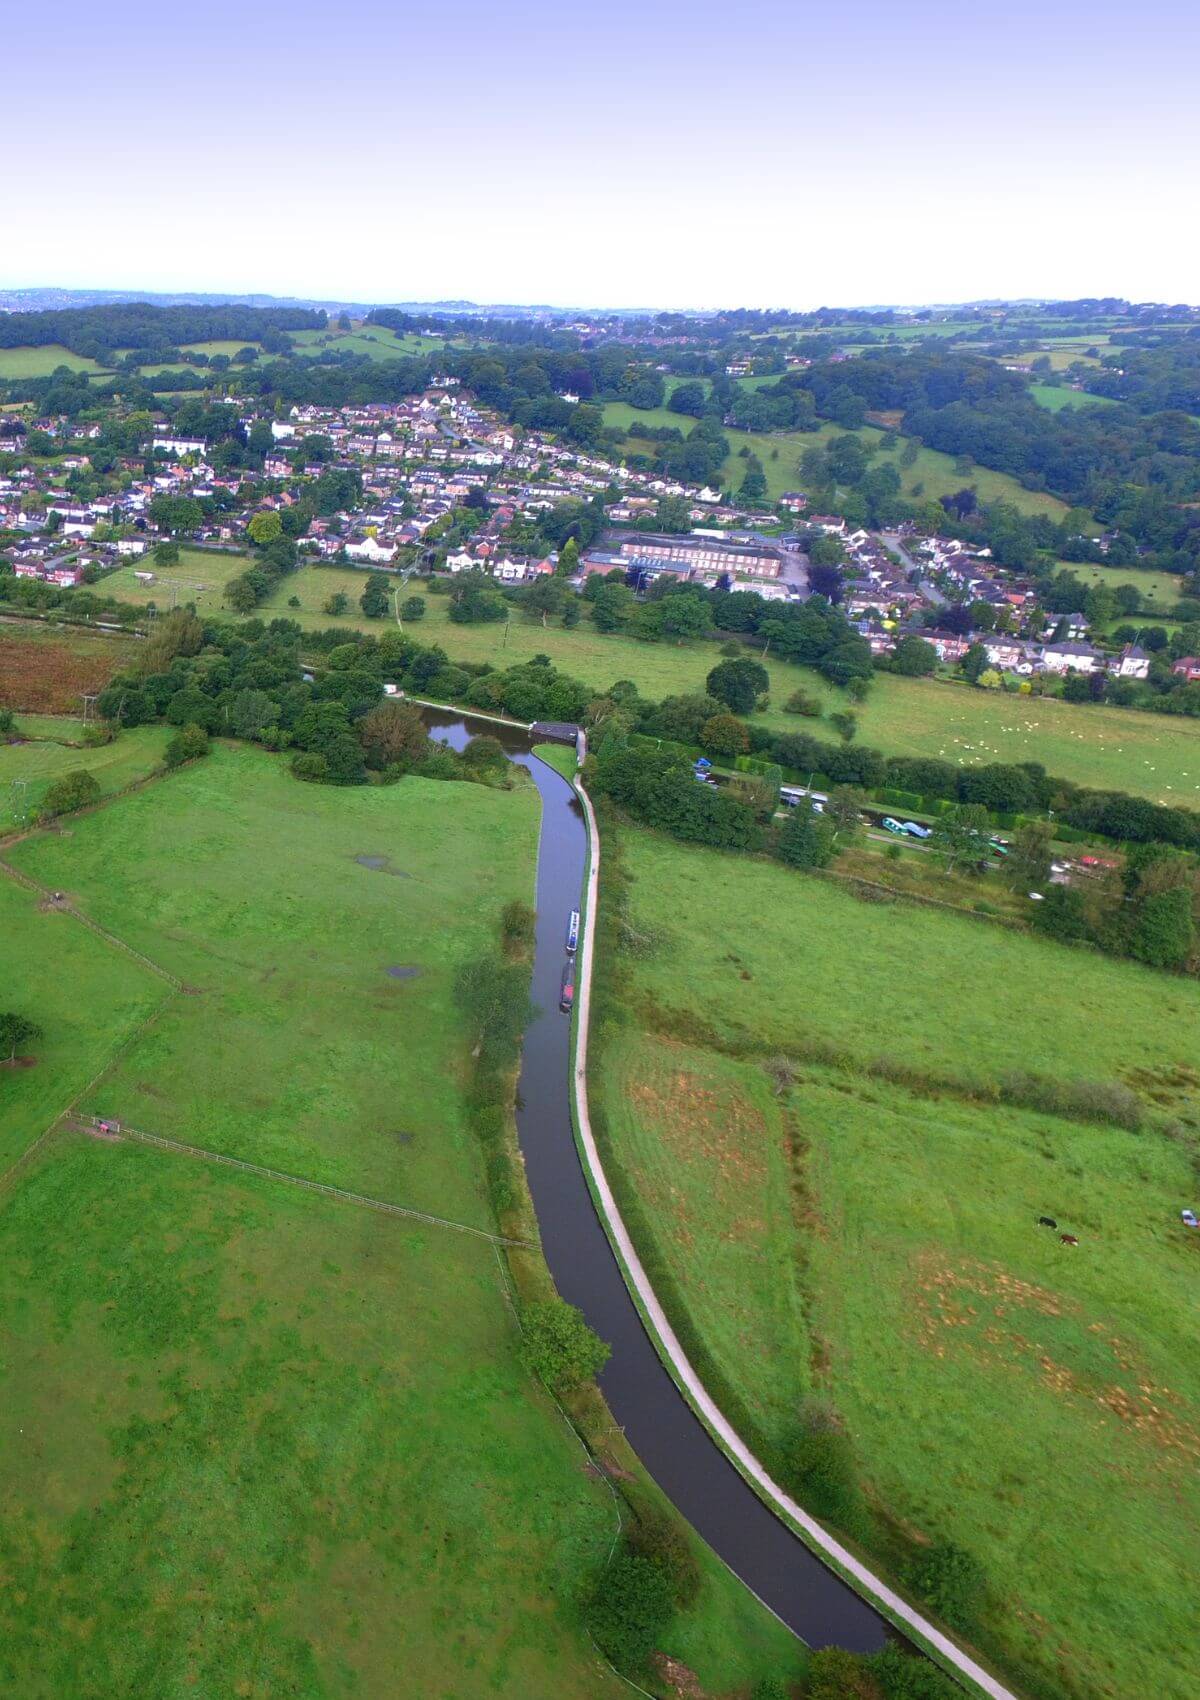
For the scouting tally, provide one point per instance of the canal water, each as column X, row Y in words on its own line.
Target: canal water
column 669, row 1439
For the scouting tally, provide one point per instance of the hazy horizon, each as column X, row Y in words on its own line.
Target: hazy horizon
column 625, row 156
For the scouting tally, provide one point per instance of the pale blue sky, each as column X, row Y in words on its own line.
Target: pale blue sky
column 770, row 152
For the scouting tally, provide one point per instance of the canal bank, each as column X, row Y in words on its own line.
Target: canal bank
column 814, row 1584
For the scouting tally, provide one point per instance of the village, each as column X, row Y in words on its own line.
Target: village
column 441, row 484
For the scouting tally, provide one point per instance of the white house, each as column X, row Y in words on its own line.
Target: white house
column 1132, row 663
column 370, row 549
column 179, row 445
column 279, row 430
column 1071, row 658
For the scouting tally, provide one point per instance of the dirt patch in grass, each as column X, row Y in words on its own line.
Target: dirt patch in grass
column 18, row 1062
column 1009, row 1322
column 716, row 1124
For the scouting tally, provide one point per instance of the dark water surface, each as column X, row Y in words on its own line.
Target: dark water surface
column 659, row 1423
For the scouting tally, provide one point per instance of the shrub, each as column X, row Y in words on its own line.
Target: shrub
column 310, row 766
column 73, row 791
column 952, row 1581
column 518, row 923
column 835, row 1674
column 821, row 1468
column 186, row 745
column 629, row 1608
column 801, row 702
column 663, row 1539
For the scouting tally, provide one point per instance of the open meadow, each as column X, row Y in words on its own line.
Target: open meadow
column 825, row 1233
column 1151, row 755
column 253, row 1440
column 40, row 361
column 315, row 1036
column 376, row 341
column 199, row 576
column 51, row 749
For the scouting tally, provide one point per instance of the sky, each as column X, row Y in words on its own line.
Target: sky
column 769, row 153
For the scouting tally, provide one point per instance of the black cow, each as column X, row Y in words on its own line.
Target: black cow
column 1047, row 1222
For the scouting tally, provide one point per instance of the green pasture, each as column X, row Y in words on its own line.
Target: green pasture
column 27, row 770
column 199, row 576
column 40, row 361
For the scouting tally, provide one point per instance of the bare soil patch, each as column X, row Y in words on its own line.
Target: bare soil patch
column 47, row 675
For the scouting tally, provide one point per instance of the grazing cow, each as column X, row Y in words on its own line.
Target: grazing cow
column 1068, row 1239
column 1047, row 1222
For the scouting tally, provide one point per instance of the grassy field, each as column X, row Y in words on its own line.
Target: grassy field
column 299, row 1049
column 200, row 576
column 227, row 1402
column 895, row 980
column 46, row 669
column 41, row 361
column 28, row 770
column 1036, row 1404
column 1163, row 588
column 374, row 340
column 1151, row 755
column 781, row 451
column 224, row 1401
column 1058, row 396
column 85, row 996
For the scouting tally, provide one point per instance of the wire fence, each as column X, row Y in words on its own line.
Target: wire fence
column 385, row 1206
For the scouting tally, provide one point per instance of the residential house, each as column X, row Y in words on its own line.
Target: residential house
column 1132, row 663
column 1072, row 657
column 1187, row 667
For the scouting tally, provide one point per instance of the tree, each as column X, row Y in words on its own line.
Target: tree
column 807, row 838
column 1027, row 864
column 1165, row 933
column 166, row 554
column 187, row 744
column 725, row 735
column 914, row 657
column 394, row 735
column 413, row 608
column 844, row 811
column 612, row 604
column 337, row 603
column 686, row 615
column 738, row 684
column 75, row 790
column 265, row 527
column 803, row 702
column 961, row 835
column 374, row 599
column 975, row 663
column 559, row 1347
column 568, row 559
column 16, row 1030
column 251, row 712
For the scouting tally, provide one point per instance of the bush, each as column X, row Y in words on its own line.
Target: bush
column 835, row 1674
column 559, row 1347
column 629, row 1609
column 518, row 923
column 310, row 766
column 186, row 745
column 821, row 1468
column 952, row 1581
column 663, row 1539
column 801, row 702
column 73, row 791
